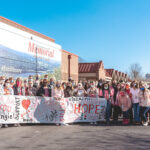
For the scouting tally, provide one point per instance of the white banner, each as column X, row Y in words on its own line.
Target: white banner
column 24, row 109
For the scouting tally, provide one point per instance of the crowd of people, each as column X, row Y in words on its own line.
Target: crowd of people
column 130, row 100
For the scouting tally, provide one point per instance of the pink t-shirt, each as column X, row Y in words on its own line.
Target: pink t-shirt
column 100, row 92
column 106, row 94
column 135, row 95
column 46, row 92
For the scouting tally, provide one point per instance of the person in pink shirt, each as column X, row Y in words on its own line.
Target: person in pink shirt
column 124, row 102
column 135, row 100
column 144, row 96
column 57, row 91
column 114, row 102
column 18, row 87
column 100, row 88
column 127, row 89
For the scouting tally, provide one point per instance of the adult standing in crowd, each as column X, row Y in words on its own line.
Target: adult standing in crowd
column 24, row 87
column 92, row 91
column 58, row 91
column 135, row 100
column 107, row 96
column 44, row 90
column 18, row 89
column 37, row 82
column 144, row 96
column 80, row 92
column 69, row 91
column 100, row 88
column 52, row 83
column 125, row 103
column 31, row 90
column 114, row 101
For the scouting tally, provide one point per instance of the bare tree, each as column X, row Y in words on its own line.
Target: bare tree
column 135, row 71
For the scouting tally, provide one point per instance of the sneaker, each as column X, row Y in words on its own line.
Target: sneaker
column 6, row 126
column 17, row 125
column 57, row 124
column 64, row 124
column 145, row 123
column 91, row 123
column 95, row 123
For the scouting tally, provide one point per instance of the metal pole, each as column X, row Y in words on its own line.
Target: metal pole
column 36, row 62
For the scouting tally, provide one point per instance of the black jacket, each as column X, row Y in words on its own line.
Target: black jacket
column 41, row 91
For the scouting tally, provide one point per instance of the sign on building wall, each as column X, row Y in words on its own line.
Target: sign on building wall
column 23, row 54
column 25, row 109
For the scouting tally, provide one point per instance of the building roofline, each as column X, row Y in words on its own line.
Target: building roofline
column 23, row 28
column 88, row 63
column 109, row 69
column 69, row 53
column 92, row 62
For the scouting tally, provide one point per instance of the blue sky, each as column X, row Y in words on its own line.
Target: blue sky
column 115, row 31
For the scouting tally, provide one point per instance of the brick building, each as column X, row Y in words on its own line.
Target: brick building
column 15, row 39
column 91, row 71
column 69, row 68
column 116, row 75
column 96, row 71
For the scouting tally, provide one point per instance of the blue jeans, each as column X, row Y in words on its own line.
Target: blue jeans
column 108, row 110
column 136, row 109
column 125, row 114
column 145, row 112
